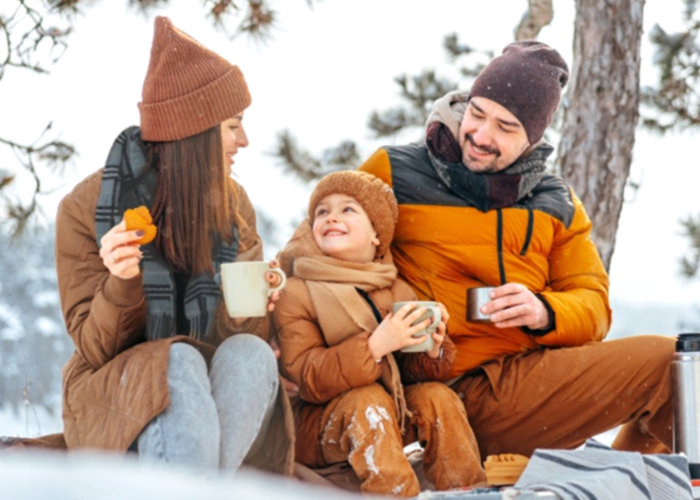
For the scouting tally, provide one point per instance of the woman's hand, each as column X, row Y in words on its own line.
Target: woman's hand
column 396, row 332
column 120, row 254
column 439, row 334
column 274, row 281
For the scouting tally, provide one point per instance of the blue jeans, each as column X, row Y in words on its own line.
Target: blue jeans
column 215, row 419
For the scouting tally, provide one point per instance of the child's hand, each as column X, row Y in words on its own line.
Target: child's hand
column 445, row 315
column 395, row 331
column 439, row 334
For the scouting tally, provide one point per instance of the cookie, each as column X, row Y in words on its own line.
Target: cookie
column 140, row 218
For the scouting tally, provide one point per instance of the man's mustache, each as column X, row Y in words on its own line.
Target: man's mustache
column 488, row 149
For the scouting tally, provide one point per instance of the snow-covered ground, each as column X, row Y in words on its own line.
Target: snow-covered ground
column 86, row 476
column 29, row 421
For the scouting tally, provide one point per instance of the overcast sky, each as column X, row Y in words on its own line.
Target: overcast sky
column 326, row 69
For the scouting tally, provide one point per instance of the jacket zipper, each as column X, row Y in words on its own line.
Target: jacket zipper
column 499, row 239
column 528, row 235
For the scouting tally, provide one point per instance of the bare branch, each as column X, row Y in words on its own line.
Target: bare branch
column 53, row 154
column 538, row 15
column 26, row 34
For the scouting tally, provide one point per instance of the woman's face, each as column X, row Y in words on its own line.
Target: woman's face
column 232, row 137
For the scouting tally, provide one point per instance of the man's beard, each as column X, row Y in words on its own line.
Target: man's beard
column 489, row 167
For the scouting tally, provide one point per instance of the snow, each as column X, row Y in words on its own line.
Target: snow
column 369, row 459
column 47, row 327
column 12, row 329
column 30, row 421
column 46, row 298
column 29, row 475
column 374, row 416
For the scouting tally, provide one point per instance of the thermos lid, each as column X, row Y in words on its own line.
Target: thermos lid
column 688, row 342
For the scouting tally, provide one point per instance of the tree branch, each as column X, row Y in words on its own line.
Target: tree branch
column 303, row 165
column 55, row 154
column 25, row 31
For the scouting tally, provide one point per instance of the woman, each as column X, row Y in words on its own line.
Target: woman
column 157, row 367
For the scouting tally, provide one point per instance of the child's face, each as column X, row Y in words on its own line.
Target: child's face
column 343, row 230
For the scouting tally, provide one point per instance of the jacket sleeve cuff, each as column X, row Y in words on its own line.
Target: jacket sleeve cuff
column 551, row 326
column 123, row 292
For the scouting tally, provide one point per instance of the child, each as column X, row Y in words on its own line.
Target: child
column 337, row 337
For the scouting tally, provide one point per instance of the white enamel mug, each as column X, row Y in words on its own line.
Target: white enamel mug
column 246, row 291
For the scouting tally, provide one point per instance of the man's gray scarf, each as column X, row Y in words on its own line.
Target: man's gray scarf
column 128, row 183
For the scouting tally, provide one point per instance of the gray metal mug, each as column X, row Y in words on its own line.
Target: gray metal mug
column 685, row 375
column 477, row 297
column 432, row 311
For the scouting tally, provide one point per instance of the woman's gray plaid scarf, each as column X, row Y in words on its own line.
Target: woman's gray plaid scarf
column 128, row 183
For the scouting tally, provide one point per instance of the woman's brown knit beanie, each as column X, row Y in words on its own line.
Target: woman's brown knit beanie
column 188, row 88
column 376, row 198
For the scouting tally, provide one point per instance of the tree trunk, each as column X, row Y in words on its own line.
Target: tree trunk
column 539, row 14
column 601, row 111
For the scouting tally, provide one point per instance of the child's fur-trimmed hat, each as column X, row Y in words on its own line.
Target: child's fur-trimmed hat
column 375, row 197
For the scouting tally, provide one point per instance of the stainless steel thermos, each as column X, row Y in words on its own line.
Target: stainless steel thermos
column 685, row 373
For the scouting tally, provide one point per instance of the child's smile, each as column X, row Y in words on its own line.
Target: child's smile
column 343, row 230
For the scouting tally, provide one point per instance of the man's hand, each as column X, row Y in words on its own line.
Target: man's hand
column 513, row 305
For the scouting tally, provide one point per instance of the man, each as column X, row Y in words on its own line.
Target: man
column 476, row 208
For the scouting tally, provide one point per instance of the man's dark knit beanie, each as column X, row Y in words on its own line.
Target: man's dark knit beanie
column 526, row 79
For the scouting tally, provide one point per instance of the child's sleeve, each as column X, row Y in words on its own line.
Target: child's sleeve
column 419, row 367
column 320, row 371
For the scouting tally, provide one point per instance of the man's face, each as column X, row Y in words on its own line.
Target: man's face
column 491, row 137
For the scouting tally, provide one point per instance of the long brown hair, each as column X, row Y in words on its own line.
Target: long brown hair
column 194, row 202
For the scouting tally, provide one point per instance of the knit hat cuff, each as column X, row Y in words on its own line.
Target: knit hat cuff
column 197, row 111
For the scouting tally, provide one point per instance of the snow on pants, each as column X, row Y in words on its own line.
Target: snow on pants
column 361, row 426
column 558, row 398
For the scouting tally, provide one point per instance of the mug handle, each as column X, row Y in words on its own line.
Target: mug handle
column 437, row 317
column 282, row 275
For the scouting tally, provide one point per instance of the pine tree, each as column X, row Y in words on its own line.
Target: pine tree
column 35, row 35
column 33, row 343
column 673, row 103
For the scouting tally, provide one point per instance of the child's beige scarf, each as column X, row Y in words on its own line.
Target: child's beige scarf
column 343, row 312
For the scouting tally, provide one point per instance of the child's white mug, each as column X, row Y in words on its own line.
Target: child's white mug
column 246, row 291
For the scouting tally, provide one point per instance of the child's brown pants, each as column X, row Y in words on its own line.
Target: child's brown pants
column 360, row 426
